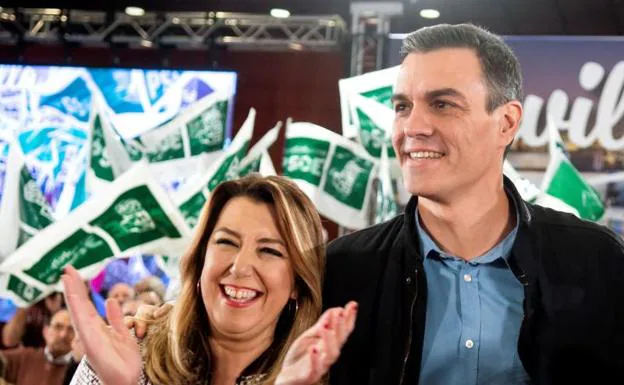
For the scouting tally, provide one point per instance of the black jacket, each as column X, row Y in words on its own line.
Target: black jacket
column 572, row 271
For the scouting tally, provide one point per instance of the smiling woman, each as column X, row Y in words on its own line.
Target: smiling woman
column 251, row 287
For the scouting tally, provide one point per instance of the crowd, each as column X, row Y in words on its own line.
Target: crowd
column 39, row 343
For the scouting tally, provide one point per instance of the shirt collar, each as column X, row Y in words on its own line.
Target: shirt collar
column 501, row 250
column 61, row 360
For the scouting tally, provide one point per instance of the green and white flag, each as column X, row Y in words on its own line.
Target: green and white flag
column 387, row 207
column 532, row 194
column 9, row 205
column 336, row 173
column 133, row 216
column 564, row 182
column 376, row 86
column 109, row 155
column 100, row 168
column 374, row 123
column 191, row 199
column 73, row 177
column 176, row 174
column 199, row 129
column 258, row 159
column 24, row 210
column 527, row 189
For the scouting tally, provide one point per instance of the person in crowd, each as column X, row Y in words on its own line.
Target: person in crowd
column 473, row 285
column 26, row 326
column 121, row 292
column 130, row 307
column 248, row 311
column 151, row 283
column 150, row 298
column 42, row 366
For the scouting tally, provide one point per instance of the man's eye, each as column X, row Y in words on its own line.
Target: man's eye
column 399, row 107
column 441, row 105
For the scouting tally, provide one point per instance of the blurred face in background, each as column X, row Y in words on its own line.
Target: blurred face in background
column 150, row 298
column 130, row 307
column 121, row 293
column 59, row 334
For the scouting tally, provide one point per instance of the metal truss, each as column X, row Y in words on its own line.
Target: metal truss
column 370, row 26
column 187, row 29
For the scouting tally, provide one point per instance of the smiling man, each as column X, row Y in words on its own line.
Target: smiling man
column 472, row 285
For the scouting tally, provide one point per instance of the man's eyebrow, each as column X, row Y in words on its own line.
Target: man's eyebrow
column 433, row 94
column 400, row 97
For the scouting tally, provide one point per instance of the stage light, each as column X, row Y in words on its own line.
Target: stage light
column 135, row 11
column 429, row 13
column 280, row 13
column 296, row 46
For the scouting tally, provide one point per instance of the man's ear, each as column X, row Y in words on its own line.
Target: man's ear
column 509, row 122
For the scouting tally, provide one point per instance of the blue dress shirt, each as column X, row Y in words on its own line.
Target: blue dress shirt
column 474, row 312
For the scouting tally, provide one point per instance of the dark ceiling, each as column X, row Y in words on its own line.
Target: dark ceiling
column 509, row 17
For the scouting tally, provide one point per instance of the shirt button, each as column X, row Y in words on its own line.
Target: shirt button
column 467, row 277
column 469, row 344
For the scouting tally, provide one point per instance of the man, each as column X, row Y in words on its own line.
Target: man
column 472, row 285
column 26, row 325
column 26, row 366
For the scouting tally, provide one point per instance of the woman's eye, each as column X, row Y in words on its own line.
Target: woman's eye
column 225, row 241
column 271, row 251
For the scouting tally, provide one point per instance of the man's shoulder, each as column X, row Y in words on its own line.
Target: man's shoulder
column 374, row 238
column 567, row 228
column 17, row 357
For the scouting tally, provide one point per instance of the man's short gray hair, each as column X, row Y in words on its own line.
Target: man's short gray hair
column 500, row 67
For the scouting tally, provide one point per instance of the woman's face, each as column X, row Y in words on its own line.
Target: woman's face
column 247, row 277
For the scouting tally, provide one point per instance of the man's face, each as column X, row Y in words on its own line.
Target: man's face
column 445, row 139
column 59, row 334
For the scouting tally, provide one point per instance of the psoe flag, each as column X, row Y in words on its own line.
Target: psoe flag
column 563, row 181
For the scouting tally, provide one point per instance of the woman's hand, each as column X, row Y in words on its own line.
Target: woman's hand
column 113, row 353
column 314, row 352
column 145, row 313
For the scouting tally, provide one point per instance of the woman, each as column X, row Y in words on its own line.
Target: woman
column 251, row 286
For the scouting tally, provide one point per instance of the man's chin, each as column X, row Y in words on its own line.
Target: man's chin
column 420, row 189
column 59, row 352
